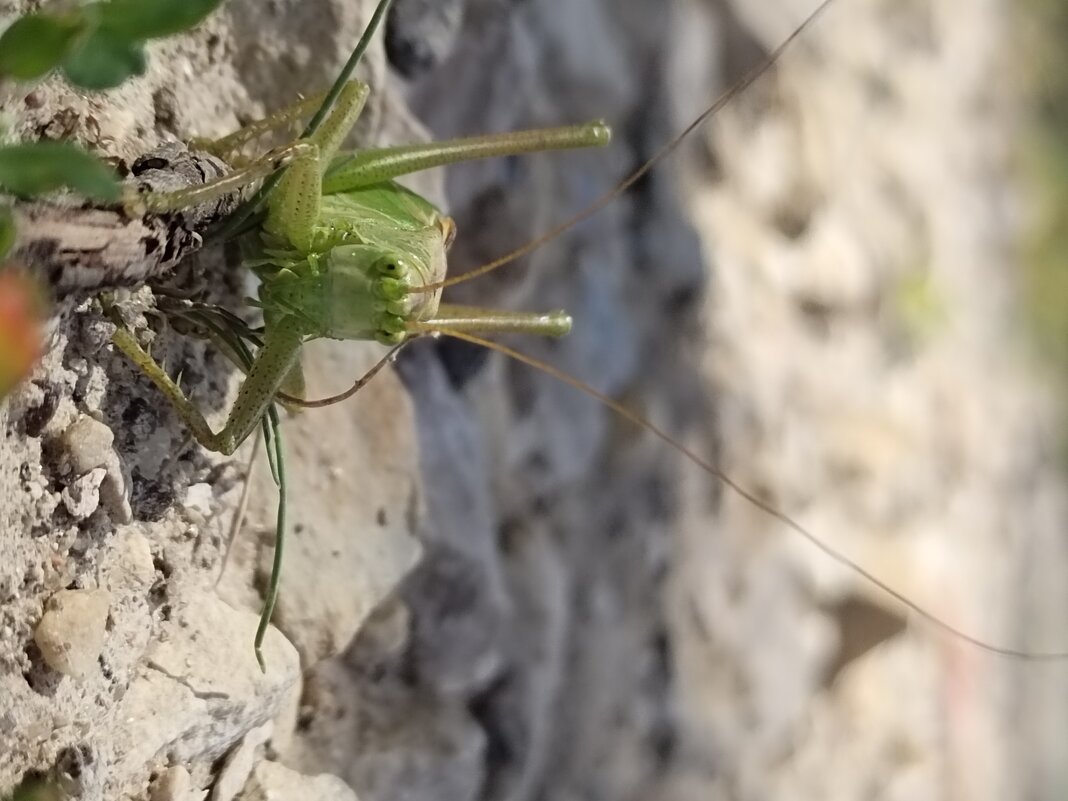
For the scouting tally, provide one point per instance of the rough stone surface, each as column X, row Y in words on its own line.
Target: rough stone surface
column 871, row 380
column 100, row 487
column 496, row 589
column 173, row 784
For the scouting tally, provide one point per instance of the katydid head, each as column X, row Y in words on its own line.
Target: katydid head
column 376, row 291
column 366, row 292
column 360, row 291
column 376, row 270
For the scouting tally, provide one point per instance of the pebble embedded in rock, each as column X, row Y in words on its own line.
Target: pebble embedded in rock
column 133, row 561
column 174, row 784
column 272, row 781
column 238, row 765
column 89, row 444
column 71, row 633
column 82, row 497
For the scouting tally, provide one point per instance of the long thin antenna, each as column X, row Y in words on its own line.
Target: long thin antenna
column 741, row 85
column 358, row 384
column 755, row 500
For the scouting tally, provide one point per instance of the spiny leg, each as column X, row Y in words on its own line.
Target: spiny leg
column 293, row 205
column 139, row 203
column 231, row 144
column 281, row 348
column 230, row 336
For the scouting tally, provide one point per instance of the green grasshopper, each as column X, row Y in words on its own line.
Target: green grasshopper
column 344, row 252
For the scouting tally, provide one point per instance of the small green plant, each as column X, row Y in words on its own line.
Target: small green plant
column 96, row 46
column 38, row 168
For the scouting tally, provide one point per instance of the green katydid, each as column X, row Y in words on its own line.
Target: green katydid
column 349, row 254
column 346, row 253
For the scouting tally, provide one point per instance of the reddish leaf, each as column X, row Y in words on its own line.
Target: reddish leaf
column 21, row 312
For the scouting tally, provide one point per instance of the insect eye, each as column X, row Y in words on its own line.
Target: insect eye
column 391, row 266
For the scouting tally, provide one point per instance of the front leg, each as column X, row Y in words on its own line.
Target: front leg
column 273, row 362
column 293, row 206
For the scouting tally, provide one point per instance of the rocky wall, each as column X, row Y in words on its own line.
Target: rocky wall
column 494, row 587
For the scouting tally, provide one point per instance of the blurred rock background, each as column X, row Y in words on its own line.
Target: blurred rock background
column 496, row 589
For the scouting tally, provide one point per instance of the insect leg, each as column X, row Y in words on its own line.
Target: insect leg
column 497, row 321
column 231, row 144
column 281, row 348
column 374, row 165
column 138, row 203
column 293, row 205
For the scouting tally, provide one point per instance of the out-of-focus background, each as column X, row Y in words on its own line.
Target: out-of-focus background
column 847, row 289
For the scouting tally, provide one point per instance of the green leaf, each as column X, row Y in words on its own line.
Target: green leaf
column 150, row 19
column 34, row 169
column 7, row 231
column 37, row 43
column 103, row 60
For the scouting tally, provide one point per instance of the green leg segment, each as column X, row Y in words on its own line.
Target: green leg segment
column 366, row 167
column 274, row 361
column 160, row 202
column 278, row 460
column 293, row 205
column 233, row 143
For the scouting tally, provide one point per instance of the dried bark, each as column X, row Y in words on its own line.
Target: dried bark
column 79, row 249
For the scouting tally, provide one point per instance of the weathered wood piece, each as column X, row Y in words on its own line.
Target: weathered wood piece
column 78, row 249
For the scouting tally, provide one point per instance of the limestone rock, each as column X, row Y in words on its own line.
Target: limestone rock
column 202, row 689
column 237, row 767
column 173, row 784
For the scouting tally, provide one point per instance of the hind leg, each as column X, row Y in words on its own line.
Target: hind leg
column 231, row 145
